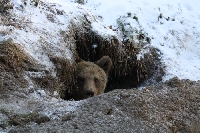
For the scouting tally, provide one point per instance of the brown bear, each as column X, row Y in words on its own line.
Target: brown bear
column 91, row 78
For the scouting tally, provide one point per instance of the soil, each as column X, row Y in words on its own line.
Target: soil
column 173, row 106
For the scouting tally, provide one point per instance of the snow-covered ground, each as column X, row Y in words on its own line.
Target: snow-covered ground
column 173, row 26
column 176, row 34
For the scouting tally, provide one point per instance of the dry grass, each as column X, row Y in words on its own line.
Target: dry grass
column 65, row 73
column 14, row 58
column 127, row 71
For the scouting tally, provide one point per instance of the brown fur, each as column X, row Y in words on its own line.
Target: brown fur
column 91, row 78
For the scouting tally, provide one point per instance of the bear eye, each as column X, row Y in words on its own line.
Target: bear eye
column 96, row 80
column 80, row 79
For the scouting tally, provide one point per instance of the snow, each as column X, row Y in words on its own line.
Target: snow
column 176, row 34
column 178, row 38
column 102, row 30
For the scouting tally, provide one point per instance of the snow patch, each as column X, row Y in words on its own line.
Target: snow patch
column 176, row 34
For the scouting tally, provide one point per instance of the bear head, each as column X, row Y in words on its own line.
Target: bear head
column 91, row 78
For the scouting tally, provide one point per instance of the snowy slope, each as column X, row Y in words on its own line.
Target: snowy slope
column 40, row 31
column 178, row 38
column 176, row 34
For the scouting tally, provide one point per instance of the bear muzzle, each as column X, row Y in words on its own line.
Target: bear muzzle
column 89, row 93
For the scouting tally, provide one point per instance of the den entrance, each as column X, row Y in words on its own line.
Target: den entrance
column 127, row 72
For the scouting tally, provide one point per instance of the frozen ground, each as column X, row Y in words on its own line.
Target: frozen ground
column 174, row 28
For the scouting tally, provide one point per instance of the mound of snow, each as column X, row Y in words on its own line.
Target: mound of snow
column 173, row 26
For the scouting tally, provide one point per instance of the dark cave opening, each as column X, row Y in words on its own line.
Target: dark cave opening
column 125, row 72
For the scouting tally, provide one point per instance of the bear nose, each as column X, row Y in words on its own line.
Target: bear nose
column 89, row 93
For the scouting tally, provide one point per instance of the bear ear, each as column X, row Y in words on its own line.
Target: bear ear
column 105, row 63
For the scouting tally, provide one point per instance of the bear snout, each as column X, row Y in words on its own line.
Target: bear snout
column 89, row 93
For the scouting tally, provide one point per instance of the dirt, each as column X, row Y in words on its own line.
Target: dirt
column 173, row 106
